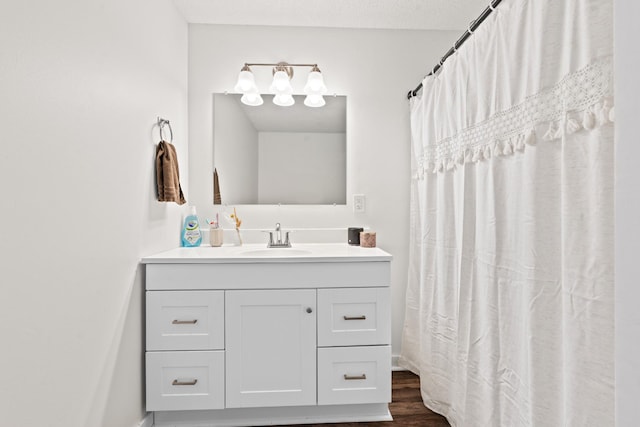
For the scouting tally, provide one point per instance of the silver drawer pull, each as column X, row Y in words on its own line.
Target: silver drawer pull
column 192, row 382
column 355, row 377
column 184, row 322
column 355, row 317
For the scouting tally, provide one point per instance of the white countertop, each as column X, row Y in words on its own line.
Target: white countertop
column 252, row 253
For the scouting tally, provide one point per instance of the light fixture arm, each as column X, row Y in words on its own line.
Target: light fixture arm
column 280, row 66
column 256, row 64
column 283, row 66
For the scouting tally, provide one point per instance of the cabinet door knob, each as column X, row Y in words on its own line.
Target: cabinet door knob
column 309, row 310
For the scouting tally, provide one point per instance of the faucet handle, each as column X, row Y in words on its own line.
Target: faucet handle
column 270, row 239
column 286, row 239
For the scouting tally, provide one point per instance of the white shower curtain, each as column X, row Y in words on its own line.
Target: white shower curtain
column 509, row 313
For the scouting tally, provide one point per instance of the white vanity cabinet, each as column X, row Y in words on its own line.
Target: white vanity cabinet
column 234, row 339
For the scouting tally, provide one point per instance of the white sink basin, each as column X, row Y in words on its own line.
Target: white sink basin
column 275, row 252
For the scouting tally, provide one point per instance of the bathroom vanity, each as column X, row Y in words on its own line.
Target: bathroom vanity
column 249, row 335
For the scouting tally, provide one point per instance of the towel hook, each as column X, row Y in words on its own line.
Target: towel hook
column 161, row 123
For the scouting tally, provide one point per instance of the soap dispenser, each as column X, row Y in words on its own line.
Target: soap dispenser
column 191, row 231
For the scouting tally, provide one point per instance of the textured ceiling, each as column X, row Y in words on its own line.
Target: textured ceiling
column 383, row 14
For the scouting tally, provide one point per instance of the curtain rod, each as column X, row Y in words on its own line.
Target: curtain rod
column 472, row 27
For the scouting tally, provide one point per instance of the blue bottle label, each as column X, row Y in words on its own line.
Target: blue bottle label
column 191, row 235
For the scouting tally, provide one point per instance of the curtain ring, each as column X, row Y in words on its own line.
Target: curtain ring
column 491, row 6
column 469, row 30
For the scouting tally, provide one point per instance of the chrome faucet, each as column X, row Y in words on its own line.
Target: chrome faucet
column 278, row 243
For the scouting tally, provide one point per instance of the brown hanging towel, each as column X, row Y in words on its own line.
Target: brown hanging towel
column 167, row 174
column 217, row 199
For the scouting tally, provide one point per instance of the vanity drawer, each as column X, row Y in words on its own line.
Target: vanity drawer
column 349, row 375
column 180, row 380
column 185, row 320
column 354, row 316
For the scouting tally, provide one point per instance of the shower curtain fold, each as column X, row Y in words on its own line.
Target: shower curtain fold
column 509, row 306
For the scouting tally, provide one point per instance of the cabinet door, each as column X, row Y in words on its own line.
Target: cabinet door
column 271, row 348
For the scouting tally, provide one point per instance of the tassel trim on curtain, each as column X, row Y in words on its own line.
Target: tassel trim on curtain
column 581, row 110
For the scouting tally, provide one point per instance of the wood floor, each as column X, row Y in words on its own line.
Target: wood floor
column 406, row 406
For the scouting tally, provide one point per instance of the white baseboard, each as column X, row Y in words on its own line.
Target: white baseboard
column 147, row 421
column 394, row 363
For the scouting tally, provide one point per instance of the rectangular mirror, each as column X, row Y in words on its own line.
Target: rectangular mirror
column 280, row 155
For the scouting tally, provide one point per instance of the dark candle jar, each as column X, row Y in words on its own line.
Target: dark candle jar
column 353, row 237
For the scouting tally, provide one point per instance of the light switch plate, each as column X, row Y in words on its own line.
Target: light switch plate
column 358, row 203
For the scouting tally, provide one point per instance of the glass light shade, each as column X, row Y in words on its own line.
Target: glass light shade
column 315, row 84
column 284, row 100
column 314, row 101
column 281, row 83
column 245, row 82
column 252, row 99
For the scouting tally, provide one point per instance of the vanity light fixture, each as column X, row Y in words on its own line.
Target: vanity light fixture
column 281, row 86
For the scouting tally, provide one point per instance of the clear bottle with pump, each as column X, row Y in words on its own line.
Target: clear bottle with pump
column 191, row 235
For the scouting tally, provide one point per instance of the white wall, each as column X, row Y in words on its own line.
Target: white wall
column 627, row 63
column 317, row 160
column 237, row 151
column 81, row 84
column 375, row 69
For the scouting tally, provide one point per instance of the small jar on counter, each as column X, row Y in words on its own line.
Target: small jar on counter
column 216, row 236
